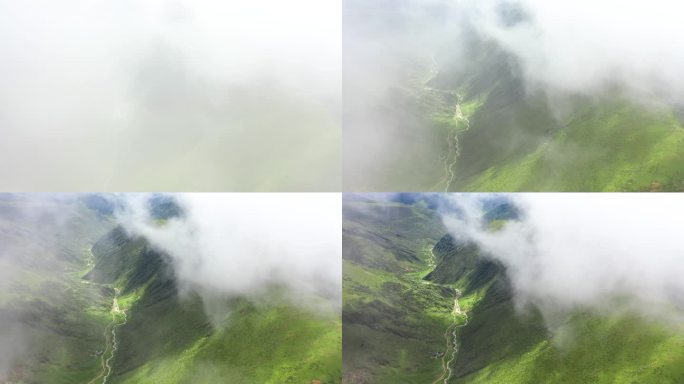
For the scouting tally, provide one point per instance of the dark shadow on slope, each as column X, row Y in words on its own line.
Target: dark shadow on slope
column 159, row 325
column 512, row 122
column 496, row 331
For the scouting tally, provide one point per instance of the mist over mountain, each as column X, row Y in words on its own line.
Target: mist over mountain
column 149, row 288
column 512, row 288
column 512, row 96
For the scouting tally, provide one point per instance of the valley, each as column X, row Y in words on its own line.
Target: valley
column 112, row 343
column 119, row 319
column 451, row 339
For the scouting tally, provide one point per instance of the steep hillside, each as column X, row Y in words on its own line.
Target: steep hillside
column 170, row 338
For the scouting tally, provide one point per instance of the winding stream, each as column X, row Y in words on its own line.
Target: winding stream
column 458, row 117
column 452, row 139
column 111, row 343
column 447, row 370
column 454, row 341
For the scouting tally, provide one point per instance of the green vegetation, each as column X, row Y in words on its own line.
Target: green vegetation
column 271, row 345
column 612, row 147
column 56, row 316
column 394, row 321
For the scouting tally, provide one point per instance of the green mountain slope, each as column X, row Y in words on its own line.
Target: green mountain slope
column 395, row 318
column 170, row 339
column 613, row 146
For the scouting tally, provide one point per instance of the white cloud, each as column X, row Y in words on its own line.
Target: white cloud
column 590, row 250
column 584, row 46
column 247, row 244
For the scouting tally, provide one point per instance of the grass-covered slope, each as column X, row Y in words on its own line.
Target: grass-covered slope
column 395, row 318
column 612, row 146
column 51, row 320
column 170, row 338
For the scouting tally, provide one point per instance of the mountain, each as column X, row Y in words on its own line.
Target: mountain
column 400, row 318
column 117, row 312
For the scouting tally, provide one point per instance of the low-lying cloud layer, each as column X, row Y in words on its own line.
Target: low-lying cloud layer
column 588, row 251
column 250, row 244
column 170, row 95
